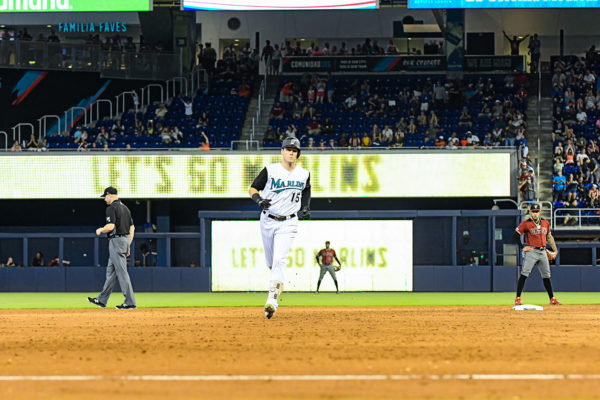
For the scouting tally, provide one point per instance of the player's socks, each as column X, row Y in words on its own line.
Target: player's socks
column 318, row 285
column 336, row 286
column 520, row 285
column 548, row 286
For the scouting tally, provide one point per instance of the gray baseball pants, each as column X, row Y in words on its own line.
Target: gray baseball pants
column 537, row 258
column 327, row 268
column 117, row 269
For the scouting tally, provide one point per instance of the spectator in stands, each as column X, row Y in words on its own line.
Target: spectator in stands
column 55, row 262
column 313, row 127
column 387, row 135
column 291, row 131
column 440, row 142
column 10, row 262
column 101, row 139
column 205, row 143
column 465, row 118
column 266, row 56
column 355, row 141
column 322, row 144
column 558, row 187
column 187, row 104
column 311, row 143
column 515, row 42
column 160, row 112
column 527, row 190
column 32, row 144
column 277, row 112
column 350, row 102
column 571, row 188
column 210, row 57
column 38, row 260
column 244, row 90
column 571, row 216
column 593, row 200
column 366, row 140
column 343, row 140
column 203, row 121
column 331, row 144
column 16, row 146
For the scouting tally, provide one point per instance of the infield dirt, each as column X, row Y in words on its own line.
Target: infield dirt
column 300, row 340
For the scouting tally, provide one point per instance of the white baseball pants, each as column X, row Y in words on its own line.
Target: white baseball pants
column 277, row 239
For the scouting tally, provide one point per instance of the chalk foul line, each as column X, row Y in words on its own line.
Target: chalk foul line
column 267, row 378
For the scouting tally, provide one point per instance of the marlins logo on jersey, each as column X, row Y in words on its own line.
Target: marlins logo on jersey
column 284, row 188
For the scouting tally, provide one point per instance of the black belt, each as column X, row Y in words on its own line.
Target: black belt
column 539, row 248
column 118, row 236
column 278, row 218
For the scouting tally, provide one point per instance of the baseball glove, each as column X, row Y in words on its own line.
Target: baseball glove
column 337, row 268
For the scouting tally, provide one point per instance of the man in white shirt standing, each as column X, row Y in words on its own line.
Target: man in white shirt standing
column 284, row 199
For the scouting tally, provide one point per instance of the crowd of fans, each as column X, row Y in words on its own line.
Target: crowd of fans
column 576, row 135
column 329, row 112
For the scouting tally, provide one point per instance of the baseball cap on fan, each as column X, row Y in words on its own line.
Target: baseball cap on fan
column 535, row 207
column 109, row 190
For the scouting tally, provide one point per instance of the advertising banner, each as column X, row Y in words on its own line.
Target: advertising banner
column 503, row 4
column 364, row 63
column 375, row 255
column 278, row 4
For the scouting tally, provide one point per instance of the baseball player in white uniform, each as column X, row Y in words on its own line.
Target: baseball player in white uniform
column 284, row 199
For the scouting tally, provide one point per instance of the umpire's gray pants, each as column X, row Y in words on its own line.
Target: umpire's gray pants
column 117, row 269
column 537, row 258
column 327, row 268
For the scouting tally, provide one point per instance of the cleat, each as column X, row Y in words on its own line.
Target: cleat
column 125, row 307
column 518, row 301
column 337, row 292
column 316, row 292
column 554, row 302
column 269, row 310
column 95, row 302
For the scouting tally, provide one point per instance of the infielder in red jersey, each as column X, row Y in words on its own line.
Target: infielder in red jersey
column 325, row 260
column 537, row 232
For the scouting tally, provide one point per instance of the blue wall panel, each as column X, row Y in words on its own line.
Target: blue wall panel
column 505, row 279
column 49, row 279
column 4, row 279
column 423, row 279
column 166, row 280
column 566, row 279
column 80, row 279
column 21, row 280
column 448, row 279
column 195, row 279
column 590, row 279
column 477, row 279
column 141, row 279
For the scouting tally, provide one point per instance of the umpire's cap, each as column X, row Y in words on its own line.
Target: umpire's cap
column 535, row 207
column 291, row 142
column 109, row 190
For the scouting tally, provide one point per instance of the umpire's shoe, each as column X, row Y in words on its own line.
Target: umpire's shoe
column 95, row 301
column 125, row 307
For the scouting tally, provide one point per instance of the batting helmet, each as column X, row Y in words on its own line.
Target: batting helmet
column 291, row 142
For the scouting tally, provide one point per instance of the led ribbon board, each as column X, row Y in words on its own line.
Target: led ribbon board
column 277, row 4
column 15, row 6
column 375, row 256
column 438, row 174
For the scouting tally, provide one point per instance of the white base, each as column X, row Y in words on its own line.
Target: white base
column 528, row 307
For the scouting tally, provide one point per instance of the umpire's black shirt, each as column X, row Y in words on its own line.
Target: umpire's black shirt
column 117, row 213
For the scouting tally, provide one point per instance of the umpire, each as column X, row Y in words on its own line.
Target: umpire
column 120, row 230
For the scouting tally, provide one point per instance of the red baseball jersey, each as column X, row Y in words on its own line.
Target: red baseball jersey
column 535, row 234
column 327, row 255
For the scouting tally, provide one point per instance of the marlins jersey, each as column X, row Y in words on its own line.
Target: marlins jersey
column 284, row 188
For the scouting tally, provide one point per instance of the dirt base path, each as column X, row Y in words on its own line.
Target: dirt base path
column 411, row 343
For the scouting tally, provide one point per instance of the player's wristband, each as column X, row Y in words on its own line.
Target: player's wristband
column 256, row 198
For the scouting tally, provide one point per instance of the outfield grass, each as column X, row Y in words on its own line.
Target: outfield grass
column 147, row 300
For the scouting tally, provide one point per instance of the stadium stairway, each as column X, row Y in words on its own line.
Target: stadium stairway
column 261, row 126
column 543, row 132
